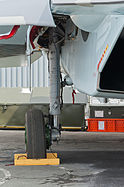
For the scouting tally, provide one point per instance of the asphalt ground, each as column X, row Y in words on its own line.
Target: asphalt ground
column 87, row 160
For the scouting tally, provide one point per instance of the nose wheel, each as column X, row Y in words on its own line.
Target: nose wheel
column 35, row 134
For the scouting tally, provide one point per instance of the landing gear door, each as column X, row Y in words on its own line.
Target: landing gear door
column 31, row 12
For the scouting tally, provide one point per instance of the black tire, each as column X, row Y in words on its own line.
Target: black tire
column 35, row 134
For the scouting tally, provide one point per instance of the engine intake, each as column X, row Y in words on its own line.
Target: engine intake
column 112, row 76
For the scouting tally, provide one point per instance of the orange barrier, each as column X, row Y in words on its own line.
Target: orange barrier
column 105, row 125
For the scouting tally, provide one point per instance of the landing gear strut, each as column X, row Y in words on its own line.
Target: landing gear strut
column 54, row 79
column 35, row 128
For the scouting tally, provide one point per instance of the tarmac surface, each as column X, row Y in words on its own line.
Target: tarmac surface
column 87, row 160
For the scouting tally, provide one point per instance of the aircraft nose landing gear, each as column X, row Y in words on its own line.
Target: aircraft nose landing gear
column 35, row 127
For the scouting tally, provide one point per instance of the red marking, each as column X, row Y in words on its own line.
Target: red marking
column 73, row 92
column 102, row 58
column 11, row 34
column 98, row 66
column 34, row 34
column 99, row 63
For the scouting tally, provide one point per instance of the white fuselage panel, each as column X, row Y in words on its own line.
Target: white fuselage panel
column 22, row 12
column 84, row 60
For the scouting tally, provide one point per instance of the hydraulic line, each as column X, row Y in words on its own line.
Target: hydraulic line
column 10, row 34
column 33, row 34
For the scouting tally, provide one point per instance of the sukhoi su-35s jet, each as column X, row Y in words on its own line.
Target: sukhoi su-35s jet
column 87, row 36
